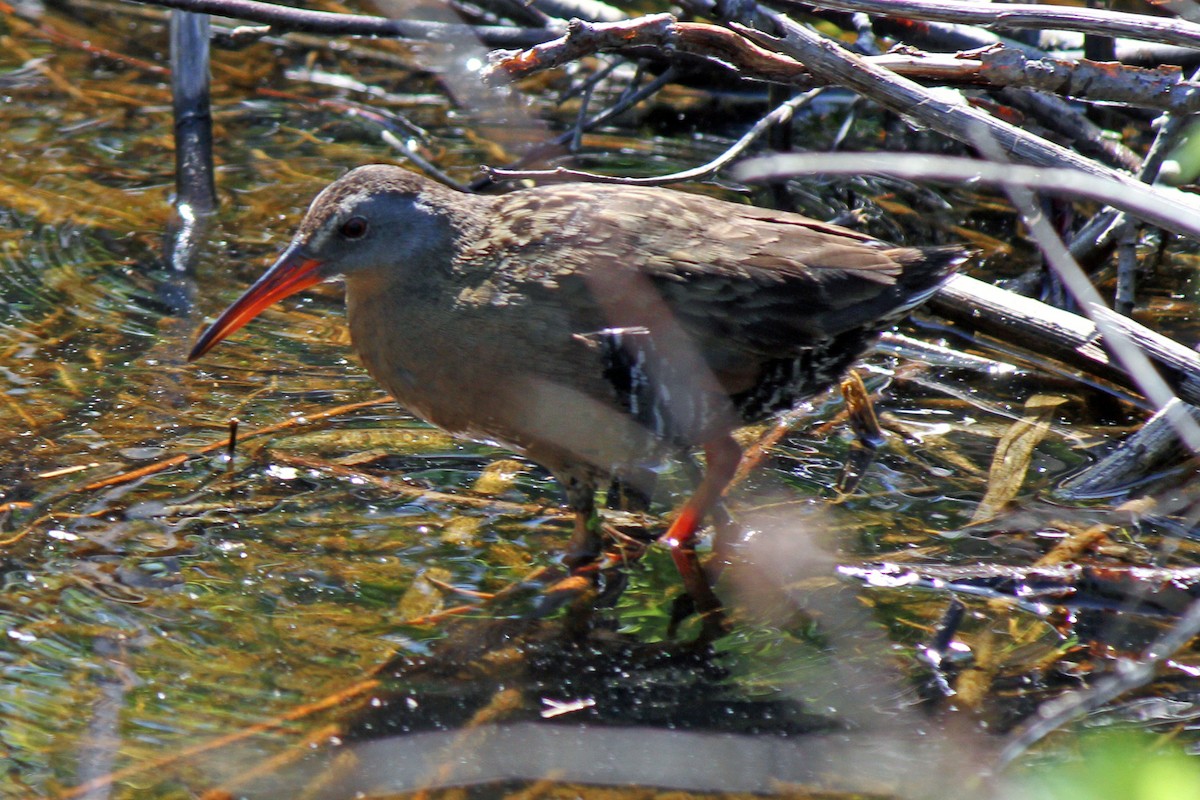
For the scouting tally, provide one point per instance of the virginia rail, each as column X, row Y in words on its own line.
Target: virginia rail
column 597, row 329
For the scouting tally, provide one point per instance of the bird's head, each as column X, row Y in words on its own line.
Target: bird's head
column 375, row 219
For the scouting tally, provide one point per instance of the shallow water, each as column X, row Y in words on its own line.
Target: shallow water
column 215, row 622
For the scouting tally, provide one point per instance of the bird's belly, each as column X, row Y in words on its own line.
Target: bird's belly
column 555, row 421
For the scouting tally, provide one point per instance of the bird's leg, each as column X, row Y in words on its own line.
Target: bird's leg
column 586, row 542
column 580, row 590
column 722, row 455
column 728, row 533
column 631, row 489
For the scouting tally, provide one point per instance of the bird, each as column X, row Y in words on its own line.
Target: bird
column 601, row 330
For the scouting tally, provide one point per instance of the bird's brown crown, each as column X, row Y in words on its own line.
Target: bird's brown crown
column 375, row 181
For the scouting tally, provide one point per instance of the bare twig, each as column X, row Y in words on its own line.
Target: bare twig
column 947, row 113
column 627, row 101
column 1029, row 16
column 1161, row 88
column 171, row 461
column 1126, row 268
column 1164, row 207
column 779, row 116
column 1133, row 354
column 1148, row 449
column 402, row 489
column 293, row 19
column 658, row 33
column 1088, row 80
column 1170, row 127
column 1067, row 119
column 1127, row 675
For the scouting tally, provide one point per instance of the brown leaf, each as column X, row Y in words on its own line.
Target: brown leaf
column 1013, row 454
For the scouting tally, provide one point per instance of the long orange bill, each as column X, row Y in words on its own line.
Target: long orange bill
column 291, row 273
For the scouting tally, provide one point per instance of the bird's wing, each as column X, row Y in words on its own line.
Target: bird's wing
column 763, row 281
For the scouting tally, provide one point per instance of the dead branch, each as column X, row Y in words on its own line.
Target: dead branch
column 660, row 33
column 995, row 67
column 284, row 18
column 1162, row 88
column 1152, row 447
column 1070, row 338
column 1167, row 208
column 1102, row 22
column 948, row 115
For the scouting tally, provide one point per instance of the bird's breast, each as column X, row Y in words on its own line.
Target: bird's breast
column 533, row 387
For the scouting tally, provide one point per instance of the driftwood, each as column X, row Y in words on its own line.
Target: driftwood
column 1075, row 340
column 1154, row 446
column 1026, row 323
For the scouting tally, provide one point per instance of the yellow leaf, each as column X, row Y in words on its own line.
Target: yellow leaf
column 1013, row 454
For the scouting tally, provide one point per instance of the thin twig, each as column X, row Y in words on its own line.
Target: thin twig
column 175, row 460
column 285, row 18
column 402, row 489
column 1170, row 127
column 997, row 67
column 1127, row 352
column 1127, row 675
column 779, row 116
column 1162, row 206
column 626, row 102
column 1026, row 15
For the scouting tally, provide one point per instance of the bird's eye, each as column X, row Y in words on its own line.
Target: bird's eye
column 354, row 228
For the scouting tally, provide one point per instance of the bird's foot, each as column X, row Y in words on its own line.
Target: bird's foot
column 626, row 534
column 595, row 577
column 713, row 620
column 587, row 541
column 713, row 624
column 576, row 593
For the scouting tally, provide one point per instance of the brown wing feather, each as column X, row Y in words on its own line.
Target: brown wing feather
column 749, row 281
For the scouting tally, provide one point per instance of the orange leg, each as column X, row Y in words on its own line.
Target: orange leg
column 722, row 456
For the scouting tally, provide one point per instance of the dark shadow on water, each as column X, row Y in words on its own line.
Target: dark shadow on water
column 503, row 702
column 531, row 670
